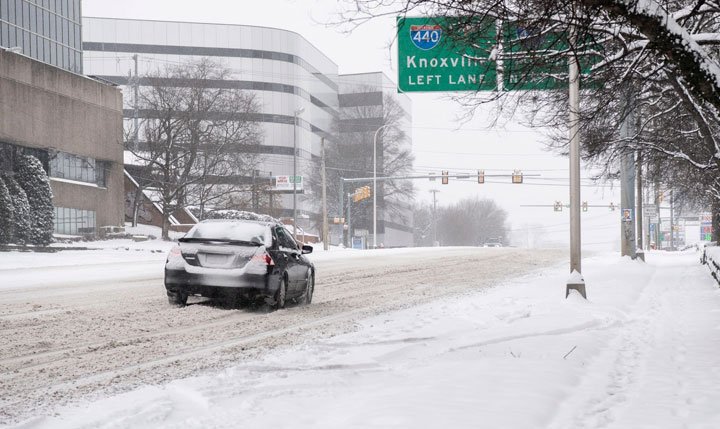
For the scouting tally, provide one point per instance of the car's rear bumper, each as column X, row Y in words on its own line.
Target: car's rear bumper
column 218, row 285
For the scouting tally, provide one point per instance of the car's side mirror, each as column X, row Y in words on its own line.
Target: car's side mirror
column 306, row 249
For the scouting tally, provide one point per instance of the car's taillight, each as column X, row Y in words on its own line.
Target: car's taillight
column 263, row 258
column 175, row 252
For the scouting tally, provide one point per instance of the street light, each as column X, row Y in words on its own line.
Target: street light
column 295, row 118
column 375, row 185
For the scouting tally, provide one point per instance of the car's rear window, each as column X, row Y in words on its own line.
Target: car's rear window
column 232, row 231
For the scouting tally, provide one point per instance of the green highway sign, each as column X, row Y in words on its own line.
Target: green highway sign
column 430, row 61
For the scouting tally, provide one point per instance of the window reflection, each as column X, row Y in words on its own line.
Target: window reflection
column 47, row 31
column 67, row 166
column 74, row 221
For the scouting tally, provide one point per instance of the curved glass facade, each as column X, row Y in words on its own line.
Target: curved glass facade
column 45, row 30
column 283, row 70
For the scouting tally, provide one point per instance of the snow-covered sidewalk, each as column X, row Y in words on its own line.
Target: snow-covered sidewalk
column 642, row 352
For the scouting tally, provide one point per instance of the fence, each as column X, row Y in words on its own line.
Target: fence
column 711, row 258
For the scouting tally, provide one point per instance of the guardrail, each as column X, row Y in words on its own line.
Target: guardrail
column 711, row 258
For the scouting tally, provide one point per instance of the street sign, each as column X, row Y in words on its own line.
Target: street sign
column 285, row 183
column 362, row 232
column 428, row 60
column 358, row 242
column 706, row 227
column 650, row 211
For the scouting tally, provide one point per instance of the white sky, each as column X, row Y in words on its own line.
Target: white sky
column 436, row 146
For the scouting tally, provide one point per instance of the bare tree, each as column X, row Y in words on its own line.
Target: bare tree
column 423, row 224
column 351, row 156
column 472, row 222
column 656, row 61
column 200, row 136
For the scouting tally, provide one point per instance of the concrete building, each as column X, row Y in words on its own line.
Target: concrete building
column 297, row 86
column 73, row 124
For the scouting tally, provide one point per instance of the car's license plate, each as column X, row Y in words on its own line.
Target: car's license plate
column 215, row 259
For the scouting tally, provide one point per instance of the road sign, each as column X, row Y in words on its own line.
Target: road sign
column 285, row 183
column 428, row 60
column 650, row 210
column 358, row 242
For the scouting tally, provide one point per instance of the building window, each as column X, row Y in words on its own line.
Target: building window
column 74, row 221
column 67, row 166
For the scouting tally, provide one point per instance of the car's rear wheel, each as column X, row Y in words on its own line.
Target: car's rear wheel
column 177, row 298
column 280, row 295
column 309, row 289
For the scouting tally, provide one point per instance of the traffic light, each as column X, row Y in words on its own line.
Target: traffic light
column 361, row 193
column 481, row 176
column 612, row 206
column 584, row 206
column 445, row 178
column 517, row 176
column 557, row 206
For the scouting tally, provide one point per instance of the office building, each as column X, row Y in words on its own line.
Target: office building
column 48, row 31
column 296, row 85
column 48, row 109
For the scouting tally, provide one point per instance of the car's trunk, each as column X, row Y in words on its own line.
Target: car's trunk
column 217, row 255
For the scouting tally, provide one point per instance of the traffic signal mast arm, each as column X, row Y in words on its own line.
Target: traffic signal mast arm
column 431, row 176
column 558, row 206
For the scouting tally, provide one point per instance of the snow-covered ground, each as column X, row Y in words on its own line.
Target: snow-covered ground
column 642, row 352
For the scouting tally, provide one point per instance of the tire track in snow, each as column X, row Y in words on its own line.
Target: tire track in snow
column 194, row 339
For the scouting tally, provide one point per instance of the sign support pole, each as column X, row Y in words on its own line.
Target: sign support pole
column 627, row 185
column 576, row 282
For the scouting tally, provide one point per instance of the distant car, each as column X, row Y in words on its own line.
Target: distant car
column 240, row 259
column 492, row 244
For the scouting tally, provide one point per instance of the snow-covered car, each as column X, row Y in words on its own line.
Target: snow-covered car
column 241, row 260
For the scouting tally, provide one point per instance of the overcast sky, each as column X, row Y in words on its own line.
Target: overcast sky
column 437, row 142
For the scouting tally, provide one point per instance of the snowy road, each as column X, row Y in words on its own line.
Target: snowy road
column 77, row 330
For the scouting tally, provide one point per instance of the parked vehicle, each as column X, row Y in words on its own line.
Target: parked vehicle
column 493, row 242
column 240, row 259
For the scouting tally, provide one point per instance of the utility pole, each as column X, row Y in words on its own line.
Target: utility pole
column 672, row 222
column 575, row 282
column 342, row 211
column 324, row 195
column 295, row 120
column 658, row 243
column 136, row 84
column 255, row 197
column 349, row 219
column 627, row 185
column 639, row 207
column 434, row 216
